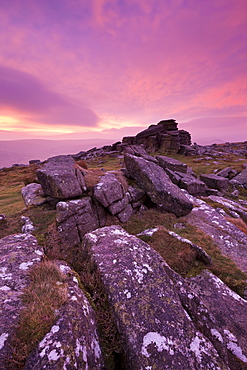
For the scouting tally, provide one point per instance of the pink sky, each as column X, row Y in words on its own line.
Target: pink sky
column 110, row 68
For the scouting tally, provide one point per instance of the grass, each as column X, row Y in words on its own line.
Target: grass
column 46, row 293
column 177, row 254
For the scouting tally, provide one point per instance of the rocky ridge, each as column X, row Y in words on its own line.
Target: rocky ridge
column 162, row 320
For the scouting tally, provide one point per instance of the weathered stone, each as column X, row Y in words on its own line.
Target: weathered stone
column 227, row 172
column 33, row 195
column 135, row 193
column 34, row 161
column 28, row 226
column 215, row 181
column 153, row 179
column 233, row 206
column 108, row 190
column 61, row 178
column 225, row 324
column 231, row 241
column 72, row 342
column 192, row 185
column 156, row 330
column 118, row 206
column 241, row 178
column 171, row 164
column 75, row 218
column 139, row 151
column 17, row 254
column 125, row 214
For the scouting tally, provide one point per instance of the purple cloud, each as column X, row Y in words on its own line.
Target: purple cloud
column 26, row 94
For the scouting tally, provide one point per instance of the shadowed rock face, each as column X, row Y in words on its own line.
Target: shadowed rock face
column 77, row 217
column 156, row 330
column 60, row 179
column 17, row 254
column 158, row 186
column 72, row 342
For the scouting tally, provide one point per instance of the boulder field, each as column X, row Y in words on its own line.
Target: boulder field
column 161, row 320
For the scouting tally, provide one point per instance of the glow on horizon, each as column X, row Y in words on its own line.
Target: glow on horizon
column 109, row 67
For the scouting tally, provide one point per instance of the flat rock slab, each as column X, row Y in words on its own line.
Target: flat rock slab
column 17, row 254
column 171, row 164
column 72, row 342
column 157, row 332
column 215, row 182
column 60, row 178
column 153, row 179
column 231, row 241
column 241, row 178
column 228, row 329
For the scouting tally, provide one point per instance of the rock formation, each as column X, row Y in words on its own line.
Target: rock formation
column 159, row 319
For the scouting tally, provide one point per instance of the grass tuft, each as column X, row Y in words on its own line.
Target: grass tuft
column 46, row 292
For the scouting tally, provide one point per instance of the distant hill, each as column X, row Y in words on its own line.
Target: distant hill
column 21, row 151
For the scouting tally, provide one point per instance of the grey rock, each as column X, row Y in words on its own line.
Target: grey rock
column 125, row 214
column 17, row 254
column 171, row 164
column 227, row 172
column 28, row 226
column 33, row 195
column 75, row 218
column 231, row 241
column 61, row 178
column 192, row 185
column 225, row 323
column 136, row 193
column 155, row 329
column 72, row 342
column 153, row 179
column 139, row 151
column 241, row 178
column 108, row 190
column 118, row 206
column 215, row 181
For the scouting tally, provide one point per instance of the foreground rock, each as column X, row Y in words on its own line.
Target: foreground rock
column 155, row 328
column 72, row 342
column 61, row 178
column 17, row 254
column 231, row 241
column 153, row 179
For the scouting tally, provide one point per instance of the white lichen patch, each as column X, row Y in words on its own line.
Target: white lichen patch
column 54, row 329
column 64, row 268
column 54, row 355
column 226, row 291
column 3, row 338
column 199, row 346
column 38, row 252
column 237, row 351
column 5, row 288
column 217, row 335
column 4, row 274
column 127, row 294
column 96, row 348
column 25, row 265
column 162, row 343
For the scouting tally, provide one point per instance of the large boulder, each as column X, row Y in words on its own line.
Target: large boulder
column 156, row 331
column 17, row 254
column 153, row 179
column 61, row 178
column 72, row 342
column 77, row 217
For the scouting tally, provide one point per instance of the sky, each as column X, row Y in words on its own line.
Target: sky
column 109, row 68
